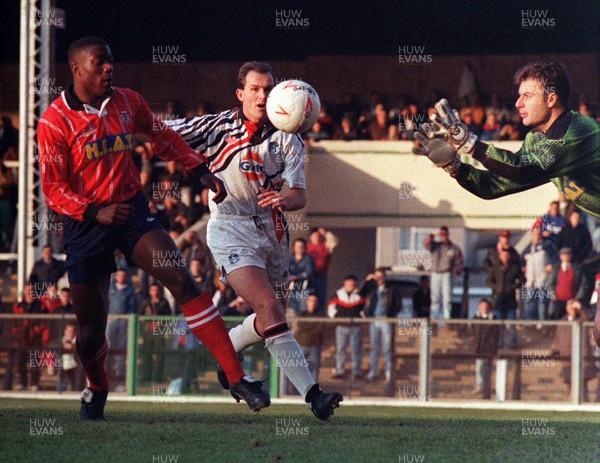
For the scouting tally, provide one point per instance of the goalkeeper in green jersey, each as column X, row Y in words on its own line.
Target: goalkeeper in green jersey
column 563, row 146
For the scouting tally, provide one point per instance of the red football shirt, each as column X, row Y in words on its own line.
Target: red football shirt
column 85, row 154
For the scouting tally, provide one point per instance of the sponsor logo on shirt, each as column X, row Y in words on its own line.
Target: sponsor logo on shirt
column 252, row 166
column 110, row 144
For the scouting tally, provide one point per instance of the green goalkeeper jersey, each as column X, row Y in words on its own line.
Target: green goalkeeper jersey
column 568, row 155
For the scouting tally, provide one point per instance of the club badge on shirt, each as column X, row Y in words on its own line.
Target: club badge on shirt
column 125, row 118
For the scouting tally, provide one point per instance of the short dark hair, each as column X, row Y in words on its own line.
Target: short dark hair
column 83, row 43
column 302, row 240
column 444, row 228
column 487, row 301
column 350, row 277
column 256, row 66
column 552, row 75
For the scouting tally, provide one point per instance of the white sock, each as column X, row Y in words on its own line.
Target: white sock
column 290, row 358
column 244, row 335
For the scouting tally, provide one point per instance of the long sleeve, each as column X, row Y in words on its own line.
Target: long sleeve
column 53, row 152
column 167, row 143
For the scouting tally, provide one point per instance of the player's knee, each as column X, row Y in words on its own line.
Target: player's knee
column 269, row 306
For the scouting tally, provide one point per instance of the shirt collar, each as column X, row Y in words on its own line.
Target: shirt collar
column 73, row 102
column 559, row 126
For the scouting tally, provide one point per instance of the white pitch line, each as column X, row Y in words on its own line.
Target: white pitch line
column 472, row 405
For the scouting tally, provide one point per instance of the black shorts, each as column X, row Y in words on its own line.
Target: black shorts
column 90, row 246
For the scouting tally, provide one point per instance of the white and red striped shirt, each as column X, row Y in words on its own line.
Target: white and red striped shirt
column 86, row 155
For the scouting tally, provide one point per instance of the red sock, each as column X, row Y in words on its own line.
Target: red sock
column 94, row 367
column 206, row 323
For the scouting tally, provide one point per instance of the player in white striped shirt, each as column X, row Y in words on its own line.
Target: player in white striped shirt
column 247, row 231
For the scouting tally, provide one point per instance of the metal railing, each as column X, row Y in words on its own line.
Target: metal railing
column 432, row 359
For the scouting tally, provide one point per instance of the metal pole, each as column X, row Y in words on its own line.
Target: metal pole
column 424, row 360
column 576, row 362
column 132, row 354
column 25, row 112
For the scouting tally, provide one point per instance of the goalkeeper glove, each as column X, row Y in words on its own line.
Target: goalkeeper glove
column 440, row 152
column 447, row 124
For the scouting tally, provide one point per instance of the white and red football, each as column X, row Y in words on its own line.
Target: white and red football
column 293, row 106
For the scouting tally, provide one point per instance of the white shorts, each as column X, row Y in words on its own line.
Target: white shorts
column 244, row 241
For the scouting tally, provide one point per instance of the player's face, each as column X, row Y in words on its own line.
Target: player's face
column 533, row 104
column 254, row 96
column 93, row 70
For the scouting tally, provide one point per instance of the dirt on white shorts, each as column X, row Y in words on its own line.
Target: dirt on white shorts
column 258, row 241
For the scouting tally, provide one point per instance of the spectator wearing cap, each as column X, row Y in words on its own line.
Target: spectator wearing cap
column 564, row 283
column 504, row 278
column 503, row 243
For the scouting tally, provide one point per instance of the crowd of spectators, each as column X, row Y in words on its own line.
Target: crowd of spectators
column 552, row 272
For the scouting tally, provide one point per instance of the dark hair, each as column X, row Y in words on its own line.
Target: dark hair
column 444, row 228
column 256, row 66
column 302, row 240
column 83, row 43
column 350, row 277
column 552, row 75
column 487, row 301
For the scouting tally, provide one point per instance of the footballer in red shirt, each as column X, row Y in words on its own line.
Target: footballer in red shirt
column 88, row 174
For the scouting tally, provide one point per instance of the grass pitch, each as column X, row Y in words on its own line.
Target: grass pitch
column 50, row 431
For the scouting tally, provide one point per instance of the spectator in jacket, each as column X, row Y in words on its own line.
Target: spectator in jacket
column 66, row 306
column 311, row 335
column 562, row 346
column 381, row 302
column 155, row 304
column 46, row 271
column 447, row 261
column 422, row 298
column 504, row 278
column 347, row 303
column 121, row 301
column 565, row 281
column 551, row 224
column 486, row 347
column 575, row 235
column 301, row 272
column 320, row 247
column 492, row 259
column 70, row 369
column 536, row 267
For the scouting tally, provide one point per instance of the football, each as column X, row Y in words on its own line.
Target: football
column 293, row 106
